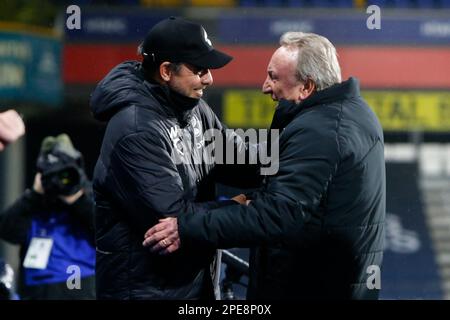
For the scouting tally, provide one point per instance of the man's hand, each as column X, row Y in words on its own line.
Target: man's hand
column 163, row 238
column 73, row 197
column 11, row 127
column 241, row 199
column 37, row 185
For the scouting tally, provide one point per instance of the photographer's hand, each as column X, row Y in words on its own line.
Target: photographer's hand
column 73, row 197
column 37, row 185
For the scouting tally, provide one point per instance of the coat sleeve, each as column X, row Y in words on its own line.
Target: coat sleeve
column 233, row 174
column 284, row 209
column 146, row 181
column 15, row 221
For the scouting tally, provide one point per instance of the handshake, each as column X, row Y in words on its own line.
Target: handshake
column 241, row 199
column 163, row 238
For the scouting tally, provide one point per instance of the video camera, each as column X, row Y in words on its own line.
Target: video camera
column 61, row 166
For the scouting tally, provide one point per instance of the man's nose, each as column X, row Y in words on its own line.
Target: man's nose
column 266, row 86
column 207, row 78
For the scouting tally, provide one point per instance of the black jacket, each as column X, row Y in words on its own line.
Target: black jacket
column 319, row 222
column 139, row 179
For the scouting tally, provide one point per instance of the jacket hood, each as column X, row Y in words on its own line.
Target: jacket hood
column 122, row 86
column 127, row 85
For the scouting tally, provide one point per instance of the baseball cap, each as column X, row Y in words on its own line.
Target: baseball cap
column 178, row 40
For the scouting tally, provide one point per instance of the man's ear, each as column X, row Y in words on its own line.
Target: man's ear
column 165, row 71
column 308, row 88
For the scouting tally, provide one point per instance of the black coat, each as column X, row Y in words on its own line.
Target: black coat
column 139, row 179
column 318, row 224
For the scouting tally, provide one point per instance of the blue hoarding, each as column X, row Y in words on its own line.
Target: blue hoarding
column 246, row 27
column 340, row 29
column 30, row 69
column 113, row 26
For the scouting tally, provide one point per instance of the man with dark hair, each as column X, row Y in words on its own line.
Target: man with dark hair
column 318, row 223
column 153, row 164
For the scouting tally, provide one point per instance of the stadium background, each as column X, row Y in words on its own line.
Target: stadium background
column 47, row 72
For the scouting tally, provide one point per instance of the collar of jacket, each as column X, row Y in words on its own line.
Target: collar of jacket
column 286, row 110
column 176, row 104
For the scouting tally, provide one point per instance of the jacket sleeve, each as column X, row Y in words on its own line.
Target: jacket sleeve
column 147, row 182
column 232, row 174
column 15, row 221
column 283, row 210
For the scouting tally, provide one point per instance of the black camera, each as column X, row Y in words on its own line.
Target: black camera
column 62, row 170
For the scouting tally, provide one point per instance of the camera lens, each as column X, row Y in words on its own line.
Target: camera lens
column 69, row 177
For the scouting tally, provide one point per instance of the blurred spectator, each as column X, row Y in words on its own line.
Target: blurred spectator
column 11, row 128
column 6, row 281
column 53, row 223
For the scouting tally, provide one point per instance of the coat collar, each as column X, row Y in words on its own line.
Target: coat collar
column 287, row 110
column 175, row 104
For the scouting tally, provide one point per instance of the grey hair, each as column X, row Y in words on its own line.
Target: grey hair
column 317, row 58
column 140, row 49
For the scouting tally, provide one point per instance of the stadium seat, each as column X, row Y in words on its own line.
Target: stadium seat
column 298, row 3
column 320, row 3
column 161, row 3
column 390, row 3
column 261, row 3
column 216, row 3
column 432, row 4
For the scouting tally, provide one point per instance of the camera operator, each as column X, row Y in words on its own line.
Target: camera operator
column 53, row 223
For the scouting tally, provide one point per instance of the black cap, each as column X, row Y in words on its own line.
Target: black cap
column 178, row 40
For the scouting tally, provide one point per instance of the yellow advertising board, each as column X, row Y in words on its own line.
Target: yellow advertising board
column 397, row 110
column 411, row 110
column 247, row 109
